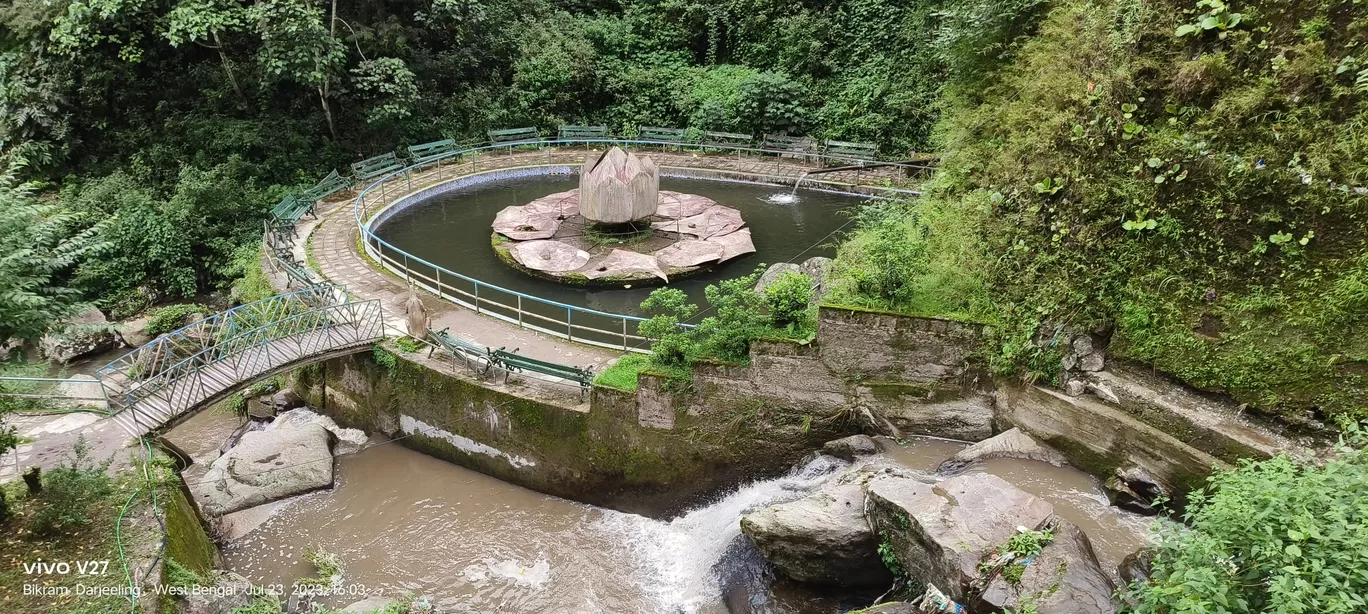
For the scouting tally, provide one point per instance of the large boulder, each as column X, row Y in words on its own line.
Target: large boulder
column 134, row 332
column 87, row 333
column 822, row 538
column 348, row 441
column 1063, row 579
column 848, row 448
column 228, row 591
column 816, row 269
column 773, row 273
column 1012, row 443
column 939, row 532
column 266, row 466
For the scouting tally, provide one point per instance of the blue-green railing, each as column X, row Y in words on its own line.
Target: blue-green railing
column 527, row 311
column 159, row 381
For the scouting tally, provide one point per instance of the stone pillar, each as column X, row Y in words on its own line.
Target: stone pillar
column 619, row 187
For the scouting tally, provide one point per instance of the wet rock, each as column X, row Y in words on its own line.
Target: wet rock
column 822, row 538
column 1134, row 489
column 87, row 333
column 134, row 332
column 1083, row 345
column 261, row 408
column 1012, row 443
column 348, row 441
column 940, row 532
column 265, row 466
column 1136, row 566
column 230, row 591
column 1075, row 387
column 848, row 448
column 1092, row 362
column 1063, row 579
column 286, row 400
column 773, row 273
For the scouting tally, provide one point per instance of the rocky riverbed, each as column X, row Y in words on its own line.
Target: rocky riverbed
column 820, row 539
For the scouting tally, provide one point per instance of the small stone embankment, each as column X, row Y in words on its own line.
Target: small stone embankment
column 972, row 539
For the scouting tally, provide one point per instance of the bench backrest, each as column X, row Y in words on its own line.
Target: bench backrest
column 541, row 366
column 330, row 185
column 582, row 132
column 863, row 151
column 656, row 133
column 726, row 138
column 376, row 166
column 453, row 343
column 435, row 149
column 513, row 135
column 787, row 143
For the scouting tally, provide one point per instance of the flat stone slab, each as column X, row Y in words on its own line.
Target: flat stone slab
column 624, row 263
column 675, row 205
column 689, row 253
column 734, row 244
column 551, row 256
column 522, row 224
column 715, row 220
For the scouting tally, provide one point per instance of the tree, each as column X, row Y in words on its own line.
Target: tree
column 297, row 46
column 1278, row 535
column 199, row 21
column 37, row 249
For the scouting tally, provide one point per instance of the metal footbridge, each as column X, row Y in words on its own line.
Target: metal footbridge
column 208, row 360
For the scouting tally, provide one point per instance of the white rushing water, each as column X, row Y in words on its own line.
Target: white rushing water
column 678, row 562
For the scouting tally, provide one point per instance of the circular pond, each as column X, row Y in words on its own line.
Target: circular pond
column 452, row 230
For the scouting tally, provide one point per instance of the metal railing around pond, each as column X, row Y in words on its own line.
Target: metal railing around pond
column 571, row 322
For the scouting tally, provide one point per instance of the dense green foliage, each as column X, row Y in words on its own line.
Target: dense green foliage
column 70, row 490
column 171, row 317
column 165, row 131
column 1280, row 535
column 1195, row 192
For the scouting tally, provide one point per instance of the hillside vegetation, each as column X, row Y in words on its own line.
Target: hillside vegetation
column 1188, row 178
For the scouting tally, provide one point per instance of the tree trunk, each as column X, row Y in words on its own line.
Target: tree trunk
column 228, row 68
column 327, row 110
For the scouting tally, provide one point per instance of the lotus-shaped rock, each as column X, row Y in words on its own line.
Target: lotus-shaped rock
column 619, row 187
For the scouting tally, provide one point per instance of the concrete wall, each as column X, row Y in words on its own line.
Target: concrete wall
column 658, row 449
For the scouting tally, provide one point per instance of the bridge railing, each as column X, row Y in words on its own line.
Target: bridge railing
column 245, row 341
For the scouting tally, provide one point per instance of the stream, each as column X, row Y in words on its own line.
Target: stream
column 402, row 521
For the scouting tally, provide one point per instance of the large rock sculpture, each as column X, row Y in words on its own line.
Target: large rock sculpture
column 619, row 187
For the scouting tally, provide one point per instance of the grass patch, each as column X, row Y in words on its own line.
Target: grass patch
column 623, row 374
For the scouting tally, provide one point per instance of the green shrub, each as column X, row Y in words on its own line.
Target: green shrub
column 668, row 307
column 789, row 299
column 1283, row 534
column 70, row 490
column 171, row 317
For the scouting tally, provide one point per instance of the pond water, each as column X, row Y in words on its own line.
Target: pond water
column 452, row 230
column 403, row 521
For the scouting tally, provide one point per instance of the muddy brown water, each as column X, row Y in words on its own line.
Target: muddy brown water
column 403, row 522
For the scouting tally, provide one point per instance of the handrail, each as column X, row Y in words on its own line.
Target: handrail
column 315, row 289
column 153, row 384
column 385, row 253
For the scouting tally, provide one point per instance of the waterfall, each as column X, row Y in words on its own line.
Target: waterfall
column 681, row 563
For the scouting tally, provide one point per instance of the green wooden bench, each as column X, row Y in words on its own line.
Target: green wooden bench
column 788, row 145
column 376, row 166
column 513, row 361
column 726, row 140
column 291, row 209
column 847, row 149
column 568, row 133
column 330, row 185
column 514, row 136
column 459, row 348
column 429, row 152
column 656, row 134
